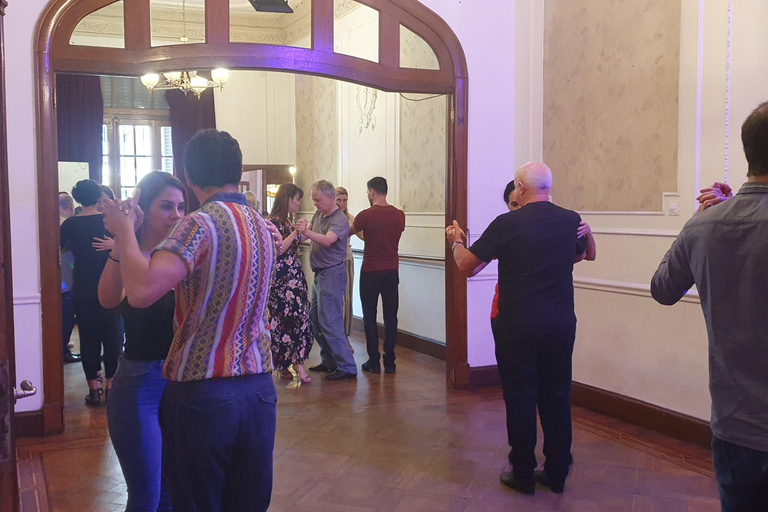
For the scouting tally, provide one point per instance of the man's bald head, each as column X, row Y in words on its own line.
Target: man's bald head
column 535, row 179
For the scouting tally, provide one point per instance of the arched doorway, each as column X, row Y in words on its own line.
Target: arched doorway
column 54, row 54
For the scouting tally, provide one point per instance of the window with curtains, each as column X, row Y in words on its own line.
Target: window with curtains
column 136, row 134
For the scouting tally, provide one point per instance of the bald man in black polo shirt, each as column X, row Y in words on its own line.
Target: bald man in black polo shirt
column 536, row 327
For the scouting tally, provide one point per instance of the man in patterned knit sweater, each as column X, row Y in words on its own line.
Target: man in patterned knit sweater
column 218, row 414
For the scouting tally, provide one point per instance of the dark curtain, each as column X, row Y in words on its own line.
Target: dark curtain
column 80, row 115
column 188, row 116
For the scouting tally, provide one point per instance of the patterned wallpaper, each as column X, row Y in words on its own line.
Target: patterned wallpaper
column 422, row 154
column 415, row 52
column 317, row 133
column 611, row 70
column 422, row 136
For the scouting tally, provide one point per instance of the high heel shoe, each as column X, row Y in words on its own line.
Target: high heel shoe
column 303, row 376
column 285, row 374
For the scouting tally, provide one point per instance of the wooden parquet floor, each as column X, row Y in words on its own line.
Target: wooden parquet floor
column 395, row 443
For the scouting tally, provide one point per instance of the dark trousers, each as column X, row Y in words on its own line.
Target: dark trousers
column 742, row 477
column 98, row 327
column 373, row 284
column 67, row 318
column 218, row 441
column 535, row 367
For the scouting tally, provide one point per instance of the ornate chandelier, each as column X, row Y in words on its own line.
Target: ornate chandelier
column 187, row 81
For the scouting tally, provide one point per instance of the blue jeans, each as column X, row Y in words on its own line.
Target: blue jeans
column 218, row 443
column 134, row 426
column 327, row 314
column 742, row 477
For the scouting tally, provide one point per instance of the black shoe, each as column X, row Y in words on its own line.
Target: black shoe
column 93, row 398
column 321, row 368
column 340, row 375
column 389, row 368
column 543, row 479
column 508, row 479
column 370, row 367
column 69, row 357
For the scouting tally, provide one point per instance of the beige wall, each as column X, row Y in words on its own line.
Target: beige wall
column 611, row 79
column 422, row 153
column 257, row 109
column 317, row 133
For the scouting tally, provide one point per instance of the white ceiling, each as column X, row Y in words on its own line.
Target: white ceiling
column 239, row 6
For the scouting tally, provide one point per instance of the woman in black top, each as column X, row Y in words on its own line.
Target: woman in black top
column 132, row 412
column 97, row 326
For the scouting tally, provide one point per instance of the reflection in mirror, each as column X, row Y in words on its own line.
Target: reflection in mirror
column 415, row 52
column 136, row 134
column 356, row 30
column 103, row 28
column 177, row 22
column 272, row 189
column 246, row 25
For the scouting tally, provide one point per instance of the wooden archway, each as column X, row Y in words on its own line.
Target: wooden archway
column 54, row 54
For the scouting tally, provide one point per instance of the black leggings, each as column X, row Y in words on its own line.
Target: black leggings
column 97, row 326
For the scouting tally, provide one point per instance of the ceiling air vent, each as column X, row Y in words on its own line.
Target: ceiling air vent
column 271, row 6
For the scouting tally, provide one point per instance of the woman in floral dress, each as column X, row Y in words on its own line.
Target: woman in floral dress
column 289, row 296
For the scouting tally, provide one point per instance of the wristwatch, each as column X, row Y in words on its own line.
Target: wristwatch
column 457, row 242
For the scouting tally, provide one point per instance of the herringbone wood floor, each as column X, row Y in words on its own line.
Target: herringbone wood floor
column 396, row 443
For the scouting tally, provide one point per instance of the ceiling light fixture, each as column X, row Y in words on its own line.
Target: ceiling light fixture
column 271, row 6
column 187, row 81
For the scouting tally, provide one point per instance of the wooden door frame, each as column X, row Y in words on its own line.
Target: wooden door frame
column 53, row 54
column 9, row 489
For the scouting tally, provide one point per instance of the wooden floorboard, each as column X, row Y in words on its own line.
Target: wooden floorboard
column 395, row 443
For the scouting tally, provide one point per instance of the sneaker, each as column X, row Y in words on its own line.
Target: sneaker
column 340, row 375
column 370, row 367
column 321, row 368
column 508, row 478
column 389, row 368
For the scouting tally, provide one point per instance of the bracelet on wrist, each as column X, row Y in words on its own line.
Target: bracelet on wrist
column 457, row 242
column 113, row 258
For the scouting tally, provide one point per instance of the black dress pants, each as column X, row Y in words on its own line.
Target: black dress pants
column 373, row 284
column 97, row 327
column 535, row 367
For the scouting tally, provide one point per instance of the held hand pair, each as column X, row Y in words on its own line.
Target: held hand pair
column 121, row 214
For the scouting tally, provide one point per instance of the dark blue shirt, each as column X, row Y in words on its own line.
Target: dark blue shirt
column 536, row 247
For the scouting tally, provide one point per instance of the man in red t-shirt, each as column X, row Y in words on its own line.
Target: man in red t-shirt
column 381, row 226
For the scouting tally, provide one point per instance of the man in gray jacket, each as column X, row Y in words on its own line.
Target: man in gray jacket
column 723, row 250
